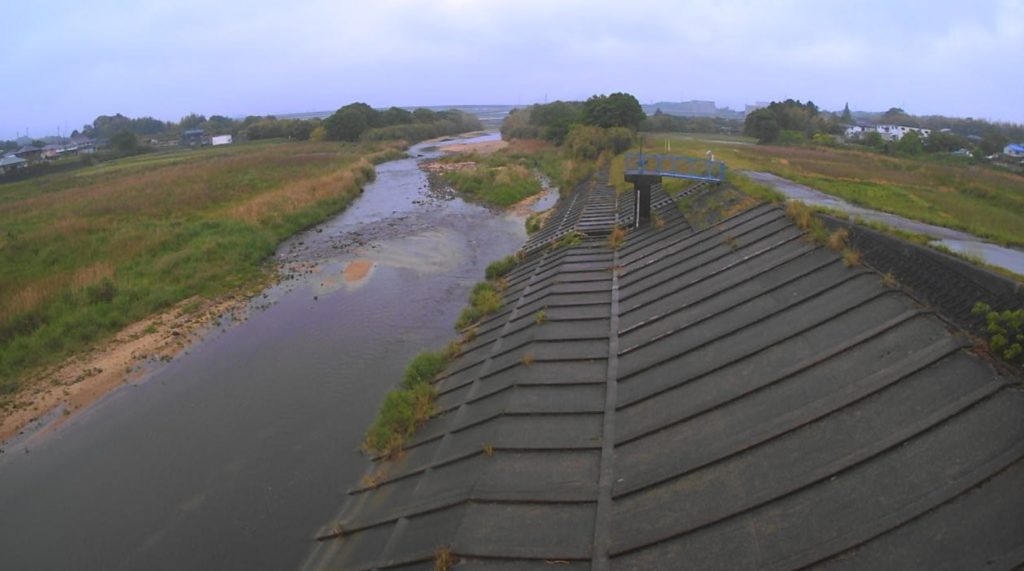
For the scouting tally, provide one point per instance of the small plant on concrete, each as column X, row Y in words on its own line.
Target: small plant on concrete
column 616, row 238
column 730, row 241
column 839, row 240
column 541, row 316
column 527, row 359
column 889, row 280
column 571, row 239
column 800, row 213
column 1005, row 332
column 488, row 449
column 657, row 221
column 851, row 257
column 370, row 481
column 443, row 559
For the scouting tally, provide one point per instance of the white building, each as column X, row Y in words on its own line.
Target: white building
column 220, row 140
column 888, row 132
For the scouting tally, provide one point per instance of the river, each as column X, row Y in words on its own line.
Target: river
column 232, row 455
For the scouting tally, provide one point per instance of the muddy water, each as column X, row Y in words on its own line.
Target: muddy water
column 231, row 456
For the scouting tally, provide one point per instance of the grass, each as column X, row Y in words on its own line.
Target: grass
column 616, row 238
column 533, row 223
column 984, row 201
column 499, row 268
column 486, row 299
column 88, row 252
column 406, row 408
column 505, row 177
column 573, row 238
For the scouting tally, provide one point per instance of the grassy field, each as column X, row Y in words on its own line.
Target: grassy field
column 87, row 252
column 508, row 176
column 939, row 190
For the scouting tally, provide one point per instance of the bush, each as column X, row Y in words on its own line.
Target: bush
column 1005, row 332
column 499, row 268
column 424, row 367
column 485, row 300
column 403, row 411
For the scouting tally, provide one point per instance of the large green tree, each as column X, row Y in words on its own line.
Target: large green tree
column 762, row 125
column 615, row 110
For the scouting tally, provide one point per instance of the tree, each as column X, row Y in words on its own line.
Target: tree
column 346, row 125
column 847, row 116
column 762, row 125
column 993, row 143
column 192, row 121
column 555, row 119
column 873, row 139
column 396, row 116
column 615, row 110
column 124, row 142
column 910, row 144
column 422, row 115
column 944, row 142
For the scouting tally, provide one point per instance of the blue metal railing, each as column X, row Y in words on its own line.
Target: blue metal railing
column 675, row 166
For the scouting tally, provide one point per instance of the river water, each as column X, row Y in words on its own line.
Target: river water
column 234, row 454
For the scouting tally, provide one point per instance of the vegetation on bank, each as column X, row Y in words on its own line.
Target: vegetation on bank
column 410, row 405
column 986, row 202
column 564, row 141
column 1005, row 330
column 88, row 252
column 360, row 122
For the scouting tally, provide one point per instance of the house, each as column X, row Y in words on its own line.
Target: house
column 192, row 137
column 887, row 132
column 29, row 153
column 1014, row 150
column 220, row 140
column 962, row 152
column 10, row 163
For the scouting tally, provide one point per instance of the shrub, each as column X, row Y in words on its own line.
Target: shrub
column 485, row 300
column 402, row 412
column 424, row 367
column 499, row 268
column 1005, row 332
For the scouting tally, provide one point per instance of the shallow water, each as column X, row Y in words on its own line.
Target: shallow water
column 234, row 454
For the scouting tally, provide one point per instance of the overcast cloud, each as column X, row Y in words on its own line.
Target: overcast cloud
column 69, row 61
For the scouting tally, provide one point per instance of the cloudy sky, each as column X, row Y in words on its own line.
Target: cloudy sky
column 67, row 62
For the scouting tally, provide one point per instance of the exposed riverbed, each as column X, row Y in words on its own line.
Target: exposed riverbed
column 232, row 455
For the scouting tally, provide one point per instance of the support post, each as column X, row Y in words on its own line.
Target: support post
column 642, row 188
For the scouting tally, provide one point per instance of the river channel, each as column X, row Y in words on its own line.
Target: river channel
column 232, row 456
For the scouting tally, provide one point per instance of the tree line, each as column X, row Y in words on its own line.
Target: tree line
column 585, row 129
column 793, row 122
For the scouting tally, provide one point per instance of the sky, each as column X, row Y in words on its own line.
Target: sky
column 67, row 63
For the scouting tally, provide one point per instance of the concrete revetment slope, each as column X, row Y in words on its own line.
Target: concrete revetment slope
column 731, row 397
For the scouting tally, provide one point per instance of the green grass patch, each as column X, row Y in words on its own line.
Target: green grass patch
column 1005, row 332
column 976, row 198
column 88, row 252
column 499, row 268
column 486, row 299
